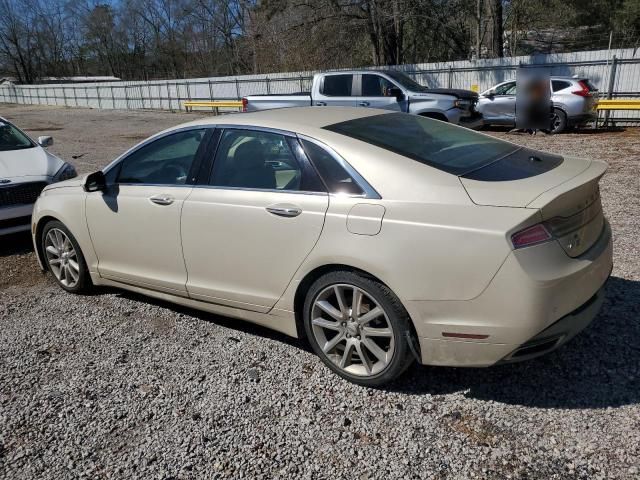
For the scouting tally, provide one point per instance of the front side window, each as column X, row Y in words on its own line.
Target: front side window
column 376, row 86
column 165, row 161
column 337, row 85
column 257, row 160
column 446, row 147
column 13, row 139
column 506, row 89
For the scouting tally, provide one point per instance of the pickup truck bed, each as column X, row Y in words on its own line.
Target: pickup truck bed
column 277, row 100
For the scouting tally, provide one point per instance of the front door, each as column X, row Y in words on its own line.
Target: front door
column 335, row 90
column 135, row 224
column 247, row 231
column 500, row 107
column 375, row 93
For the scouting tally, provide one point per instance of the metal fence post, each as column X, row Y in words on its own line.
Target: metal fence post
column 612, row 82
column 210, row 89
column 169, row 97
column 237, row 89
column 126, row 96
column 86, row 96
column 449, row 77
column 268, row 86
column 141, row 95
column 98, row 94
column 113, row 99
column 75, row 96
column 64, row 95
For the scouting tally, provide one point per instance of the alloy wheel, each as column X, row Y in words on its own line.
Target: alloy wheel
column 352, row 330
column 62, row 257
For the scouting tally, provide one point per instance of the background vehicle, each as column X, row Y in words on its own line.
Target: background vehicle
column 386, row 89
column 574, row 102
column 25, row 169
column 373, row 233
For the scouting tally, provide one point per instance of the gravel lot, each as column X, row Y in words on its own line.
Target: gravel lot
column 115, row 385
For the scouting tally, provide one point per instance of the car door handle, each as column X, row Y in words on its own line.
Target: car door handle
column 364, row 104
column 162, row 199
column 321, row 104
column 284, row 210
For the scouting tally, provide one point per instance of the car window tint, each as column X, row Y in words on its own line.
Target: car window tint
column 337, row 85
column 165, row 161
column 334, row 175
column 254, row 159
column 375, row 86
column 12, row 139
column 506, row 89
column 438, row 144
column 557, row 85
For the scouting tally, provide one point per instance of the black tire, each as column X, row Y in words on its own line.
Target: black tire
column 83, row 284
column 558, row 121
column 396, row 317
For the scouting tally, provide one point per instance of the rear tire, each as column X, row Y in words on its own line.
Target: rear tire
column 558, row 121
column 63, row 258
column 358, row 328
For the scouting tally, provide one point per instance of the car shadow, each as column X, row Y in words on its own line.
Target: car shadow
column 15, row 244
column 599, row 368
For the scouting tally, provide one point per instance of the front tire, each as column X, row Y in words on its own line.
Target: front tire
column 64, row 258
column 558, row 121
column 358, row 328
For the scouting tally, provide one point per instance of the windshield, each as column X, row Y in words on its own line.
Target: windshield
column 13, row 139
column 406, row 81
column 453, row 149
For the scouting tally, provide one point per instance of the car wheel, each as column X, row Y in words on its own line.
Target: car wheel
column 358, row 327
column 64, row 258
column 558, row 121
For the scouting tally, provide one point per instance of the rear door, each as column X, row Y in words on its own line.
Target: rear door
column 248, row 228
column 335, row 90
column 375, row 92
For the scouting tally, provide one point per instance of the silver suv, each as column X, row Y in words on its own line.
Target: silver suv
column 574, row 103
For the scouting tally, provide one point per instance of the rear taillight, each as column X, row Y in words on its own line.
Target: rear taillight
column 244, row 104
column 584, row 90
column 531, row 236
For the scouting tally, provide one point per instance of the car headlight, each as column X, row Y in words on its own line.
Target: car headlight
column 65, row 173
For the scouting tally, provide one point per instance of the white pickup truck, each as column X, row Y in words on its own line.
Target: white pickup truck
column 387, row 89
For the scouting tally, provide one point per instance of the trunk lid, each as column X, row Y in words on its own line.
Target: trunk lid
column 565, row 191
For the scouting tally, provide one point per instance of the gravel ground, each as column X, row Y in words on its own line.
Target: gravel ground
column 115, row 385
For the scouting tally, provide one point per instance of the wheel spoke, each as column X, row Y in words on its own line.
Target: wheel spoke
column 328, row 324
column 52, row 250
column 59, row 239
column 341, row 300
column 375, row 349
column 74, row 265
column 356, row 302
column 370, row 315
column 346, row 356
column 72, row 273
column 376, row 332
column 364, row 358
column 54, row 261
column 331, row 344
column 329, row 309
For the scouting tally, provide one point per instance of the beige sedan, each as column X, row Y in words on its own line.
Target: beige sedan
column 381, row 237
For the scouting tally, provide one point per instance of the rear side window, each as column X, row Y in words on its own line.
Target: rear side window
column 447, row 147
column 333, row 174
column 558, row 85
column 337, row 85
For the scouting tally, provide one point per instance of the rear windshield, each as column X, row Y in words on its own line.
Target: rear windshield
column 12, row 139
column 432, row 142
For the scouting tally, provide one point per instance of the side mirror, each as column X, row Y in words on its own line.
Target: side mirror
column 490, row 94
column 95, row 182
column 45, row 141
column 396, row 92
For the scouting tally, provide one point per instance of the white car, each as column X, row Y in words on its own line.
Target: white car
column 380, row 236
column 25, row 169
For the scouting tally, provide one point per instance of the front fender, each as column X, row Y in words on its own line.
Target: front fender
column 66, row 205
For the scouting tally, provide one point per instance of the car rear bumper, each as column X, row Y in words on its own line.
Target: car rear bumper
column 539, row 299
